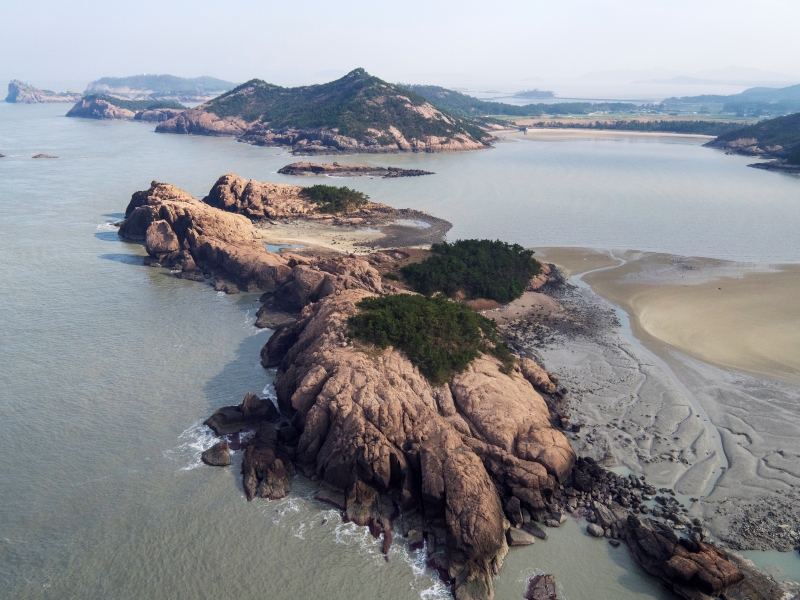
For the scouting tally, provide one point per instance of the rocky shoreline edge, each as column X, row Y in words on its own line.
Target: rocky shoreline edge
column 472, row 464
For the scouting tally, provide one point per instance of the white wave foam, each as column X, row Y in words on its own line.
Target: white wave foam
column 194, row 440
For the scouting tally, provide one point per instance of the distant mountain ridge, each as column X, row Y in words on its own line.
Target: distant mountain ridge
column 356, row 113
column 755, row 101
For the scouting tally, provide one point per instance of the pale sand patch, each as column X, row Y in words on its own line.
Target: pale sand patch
column 575, row 261
column 707, row 337
column 319, row 235
column 740, row 317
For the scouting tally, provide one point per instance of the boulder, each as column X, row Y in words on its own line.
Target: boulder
column 518, row 537
column 218, row 455
column 267, row 468
column 541, row 587
column 248, row 415
column 688, row 567
column 594, row 530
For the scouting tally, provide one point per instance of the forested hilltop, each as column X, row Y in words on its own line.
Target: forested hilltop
column 357, row 113
column 777, row 138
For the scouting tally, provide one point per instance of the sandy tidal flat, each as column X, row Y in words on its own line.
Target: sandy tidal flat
column 729, row 335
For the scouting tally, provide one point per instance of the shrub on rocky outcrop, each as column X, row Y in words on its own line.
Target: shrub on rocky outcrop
column 478, row 268
column 334, row 200
column 438, row 336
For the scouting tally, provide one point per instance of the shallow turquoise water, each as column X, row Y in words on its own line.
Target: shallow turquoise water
column 107, row 367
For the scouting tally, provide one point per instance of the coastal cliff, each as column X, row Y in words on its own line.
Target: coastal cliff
column 357, row 113
column 22, row 93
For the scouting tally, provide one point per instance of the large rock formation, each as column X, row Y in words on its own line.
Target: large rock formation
column 449, row 457
column 197, row 238
column 22, row 93
column 182, row 232
column 695, row 570
column 95, row 107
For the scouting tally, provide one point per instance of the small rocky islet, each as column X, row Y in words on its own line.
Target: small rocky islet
column 336, row 169
column 474, row 464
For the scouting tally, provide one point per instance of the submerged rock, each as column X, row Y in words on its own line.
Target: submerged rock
column 541, row 587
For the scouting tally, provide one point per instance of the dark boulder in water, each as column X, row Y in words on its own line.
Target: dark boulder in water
column 218, row 455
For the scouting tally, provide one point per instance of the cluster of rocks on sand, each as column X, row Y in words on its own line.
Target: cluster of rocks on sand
column 473, row 465
column 307, row 168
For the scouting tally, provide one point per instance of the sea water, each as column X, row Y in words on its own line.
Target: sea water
column 108, row 367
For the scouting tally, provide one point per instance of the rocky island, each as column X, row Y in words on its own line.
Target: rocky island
column 357, row 113
column 22, row 93
column 375, row 404
column 110, row 107
column 335, row 169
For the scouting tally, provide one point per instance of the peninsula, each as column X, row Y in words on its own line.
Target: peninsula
column 396, row 402
column 22, row 93
column 777, row 139
column 358, row 113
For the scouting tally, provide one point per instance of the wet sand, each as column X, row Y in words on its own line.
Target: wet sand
column 405, row 229
column 579, row 133
column 727, row 334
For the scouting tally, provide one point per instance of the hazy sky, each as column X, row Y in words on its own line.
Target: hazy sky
column 304, row 41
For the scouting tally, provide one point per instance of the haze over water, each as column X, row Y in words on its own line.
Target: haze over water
column 107, row 367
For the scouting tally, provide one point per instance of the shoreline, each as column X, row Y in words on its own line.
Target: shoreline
column 542, row 133
column 757, row 416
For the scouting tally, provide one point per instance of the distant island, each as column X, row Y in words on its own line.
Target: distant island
column 96, row 106
column 357, row 113
column 535, row 93
column 161, row 87
column 22, row 93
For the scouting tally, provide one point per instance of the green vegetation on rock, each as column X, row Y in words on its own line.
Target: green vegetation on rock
column 779, row 137
column 358, row 105
column 479, row 268
column 135, row 105
column 334, row 200
column 438, row 336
